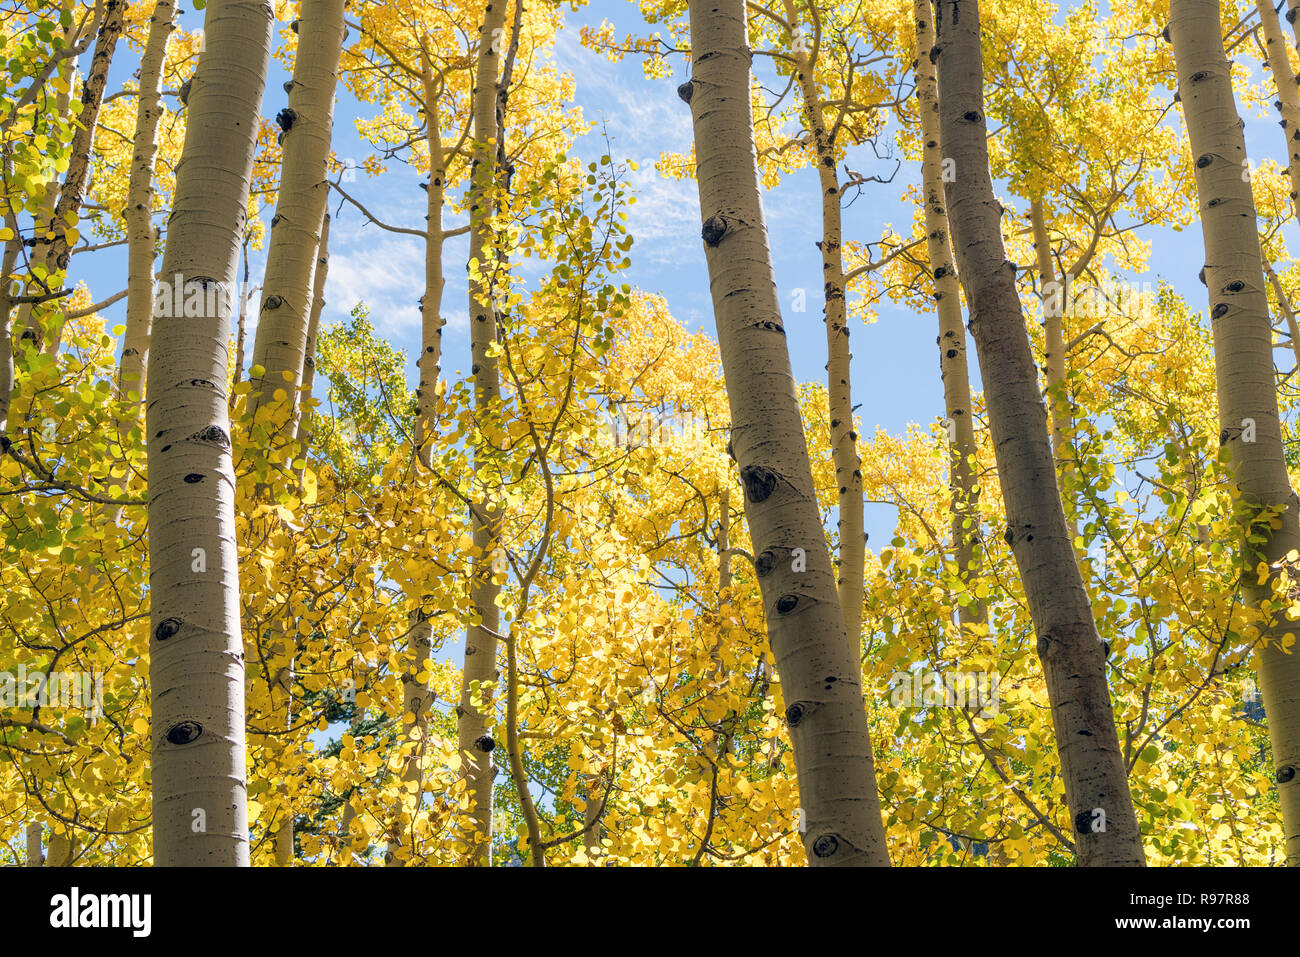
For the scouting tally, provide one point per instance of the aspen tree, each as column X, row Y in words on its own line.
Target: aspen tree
column 959, row 422
column 844, row 449
column 55, row 252
column 1074, row 661
column 1243, row 364
column 196, row 678
column 33, row 838
column 1288, row 93
column 480, row 671
column 819, row 675
column 141, row 235
column 306, row 128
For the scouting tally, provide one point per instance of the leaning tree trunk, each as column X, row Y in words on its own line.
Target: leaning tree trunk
column 475, row 742
column 959, row 423
column 306, row 125
column 141, row 235
column 1288, row 93
column 1243, row 364
column 1074, row 661
column 196, row 677
column 839, row 390
column 819, row 675
column 56, row 253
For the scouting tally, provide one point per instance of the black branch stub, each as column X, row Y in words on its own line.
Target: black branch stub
column 686, row 91
column 786, row 604
column 1083, row 822
column 185, row 732
column 213, row 434
column 485, row 743
column 194, row 478
column 167, row 628
column 795, row 713
column 1285, row 774
column 714, row 228
column 825, row 846
column 285, row 119
column 759, row 482
column 764, row 563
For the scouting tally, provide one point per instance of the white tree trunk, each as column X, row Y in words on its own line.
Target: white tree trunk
column 819, row 674
column 141, row 235
column 196, row 677
column 307, row 126
column 963, row 480
column 1243, row 362
column 1074, row 661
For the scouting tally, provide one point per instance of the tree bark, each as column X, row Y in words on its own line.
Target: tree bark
column 1243, row 363
column 196, row 649
column 1074, row 661
column 476, row 744
column 963, row 479
column 1288, row 93
column 844, row 448
column 819, row 676
column 56, row 253
column 307, row 125
column 141, row 235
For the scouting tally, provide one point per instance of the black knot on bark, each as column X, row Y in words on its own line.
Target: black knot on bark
column 1218, row 310
column 1043, row 643
column 273, row 302
column 971, row 116
column 794, row 714
column 765, row 562
column 941, row 272
column 184, row 732
column 194, row 478
column 1204, row 160
column 952, row 353
column 213, row 434
column 786, row 604
column 686, row 91
column 1083, row 822
column 1285, row 774
column 294, row 26
column 167, row 628
column 285, row 119
column 1165, row 34
column 759, row 482
column 184, row 93
column 485, row 744
column 1235, row 286
column 825, row 846
column 288, row 85
column 714, row 228
column 1200, row 75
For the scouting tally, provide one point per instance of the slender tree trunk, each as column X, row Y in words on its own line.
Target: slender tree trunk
column 1284, row 304
column 1243, row 362
column 1074, row 661
column 8, row 262
column 196, row 650
column 820, row 678
column 141, row 235
column 962, row 449
column 1288, row 93
column 839, row 390
column 305, row 432
column 307, row 125
column 56, row 253
column 431, row 320
column 1293, row 18
column 34, row 856
column 1054, row 296
column 476, row 744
